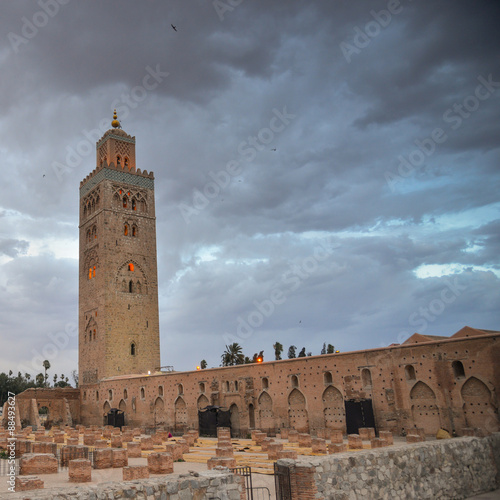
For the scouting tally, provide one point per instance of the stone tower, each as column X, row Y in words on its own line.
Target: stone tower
column 118, row 277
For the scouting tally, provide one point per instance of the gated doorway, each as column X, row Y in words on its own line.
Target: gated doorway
column 116, row 418
column 211, row 417
column 358, row 413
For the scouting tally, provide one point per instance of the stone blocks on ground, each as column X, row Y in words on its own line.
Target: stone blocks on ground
column 80, row 470
column 223, row 432
column 133, row 472
column 355, row 442
column 293, row 436
column 337, row 447
column 89, row 439
column 378, row 443
column 103, row 458
column 147, row 443
column 221, row 462
column 387, row 435
column 273, row 449
column 414, row 438
column 258, row 437
column 305, row 440
column 116, row 441
column 28, row 483
column 160, row 463
column 366, row 433
column 72, row 452
column 336, row 436
column 37, row 447
column 175, row 450
column 318, row 445
column 134, row 449
column 101, row 443
column 119, row 457
column 291, row 454
column 284, row 433
column 265, row 443
column 184, row 445
column 224, row 451
column 37, row 463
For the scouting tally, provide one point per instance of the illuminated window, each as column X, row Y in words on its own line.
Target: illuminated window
column 132, row 349
column 90, row 273
column 133, row 205
column 125, row 230
column 94, row 334
column 118, row 161
column 94, row 232
column 126, row 162
column 134, row 231
column 131, row 267
column 93, row 274
column 124, row 202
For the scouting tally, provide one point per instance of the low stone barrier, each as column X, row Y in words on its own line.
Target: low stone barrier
column 80, row 471
column 387, row 435
column 209, row 484
column 292, row 454
column 224, row 451
column 337, row 448
column 147, row 443
column 175, row 450
column 305, row 440
column 452, row 468
column 37, row 463
column 264, row 444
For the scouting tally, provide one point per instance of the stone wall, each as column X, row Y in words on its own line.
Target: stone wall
column 213, row 484
column 410, row 386
column 449, row 469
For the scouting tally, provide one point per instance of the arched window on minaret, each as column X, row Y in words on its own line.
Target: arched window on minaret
column 134, row 207
column 125, row 230
column 125, row 202
column 132, row 349
column 134, row 231
column 118, row 161
column 130, row 286
column 125, row 162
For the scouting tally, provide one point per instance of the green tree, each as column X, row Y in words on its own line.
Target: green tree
column 291, row 352
column 258, row 356
column 203, row 364
column 55, row 379
column 302, row 353
column 323, row 351
column 46, row 366
column 278, row 349
column 40, row 380
column 233, row 355
column 330, row 349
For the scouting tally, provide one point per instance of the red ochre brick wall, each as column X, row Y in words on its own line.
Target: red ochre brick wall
column 395, row 406
column 37, row 463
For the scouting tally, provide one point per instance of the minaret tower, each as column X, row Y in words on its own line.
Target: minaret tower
column 118, row 290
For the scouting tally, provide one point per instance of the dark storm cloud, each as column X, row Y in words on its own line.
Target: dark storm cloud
column 346, row 172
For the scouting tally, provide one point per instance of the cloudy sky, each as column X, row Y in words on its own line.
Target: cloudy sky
column 326, row 171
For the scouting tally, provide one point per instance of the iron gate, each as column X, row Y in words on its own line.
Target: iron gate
column 282, row 482
column 211, row 417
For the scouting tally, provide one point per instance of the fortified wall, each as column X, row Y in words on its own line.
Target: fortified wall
column 451, row 383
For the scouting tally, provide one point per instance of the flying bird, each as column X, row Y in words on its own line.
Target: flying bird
column 273, row 149
column 174, row 28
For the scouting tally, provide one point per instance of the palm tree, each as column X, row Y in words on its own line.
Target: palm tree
column 203, row 364
column 233, row 355
column 46, row 365
column 278, row 349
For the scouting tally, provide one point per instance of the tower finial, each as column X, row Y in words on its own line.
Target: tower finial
column 115, row 123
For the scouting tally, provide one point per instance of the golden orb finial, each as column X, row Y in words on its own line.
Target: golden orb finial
column 115, row 123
